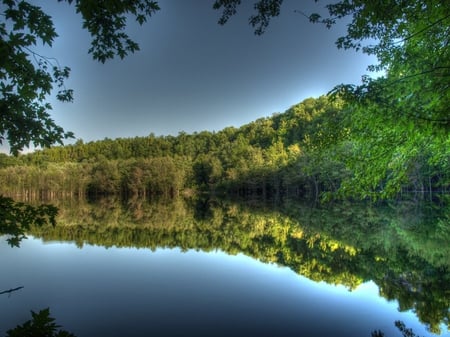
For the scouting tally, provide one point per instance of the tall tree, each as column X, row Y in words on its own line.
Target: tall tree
column 399, row 121
column 28, row 78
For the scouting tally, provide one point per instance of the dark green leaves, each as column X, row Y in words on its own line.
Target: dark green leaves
column 26, row 16
column 17, row 217
column 406, row 332
column 27, row 78
column 41, row 324
column 106, row 22
column 229, row 9
column 265, row 11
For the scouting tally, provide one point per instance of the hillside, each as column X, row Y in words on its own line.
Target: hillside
column 307, row 150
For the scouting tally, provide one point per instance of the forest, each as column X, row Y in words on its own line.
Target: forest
column 308, row 151
column 380, row 139
column 384, row 139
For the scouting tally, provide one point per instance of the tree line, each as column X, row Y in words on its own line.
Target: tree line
column 386, row 136
column 307, row 150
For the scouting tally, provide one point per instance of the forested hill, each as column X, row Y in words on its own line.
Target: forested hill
column 287, row 128
column 309, row 149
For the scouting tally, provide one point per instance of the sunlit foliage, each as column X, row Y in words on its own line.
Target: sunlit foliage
column 309, row 150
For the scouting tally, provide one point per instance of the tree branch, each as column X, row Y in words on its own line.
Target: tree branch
column 11, row 290
column 422, row 30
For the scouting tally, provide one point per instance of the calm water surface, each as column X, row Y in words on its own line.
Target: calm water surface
column 200, row 274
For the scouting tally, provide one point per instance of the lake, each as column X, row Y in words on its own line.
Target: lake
column 214, row 268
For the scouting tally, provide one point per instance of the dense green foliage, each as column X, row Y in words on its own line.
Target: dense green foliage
column 380, row 139
column 375, row 140
column 307, row 150
column 401, row 247
column 398, row 123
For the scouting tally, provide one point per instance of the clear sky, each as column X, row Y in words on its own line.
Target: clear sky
column 193, row 74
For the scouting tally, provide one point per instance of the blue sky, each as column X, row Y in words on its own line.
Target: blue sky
column 193, row 74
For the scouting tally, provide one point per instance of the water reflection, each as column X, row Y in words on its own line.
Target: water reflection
column 401, row 249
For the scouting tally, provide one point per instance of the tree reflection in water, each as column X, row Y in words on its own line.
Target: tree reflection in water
column 403, row 248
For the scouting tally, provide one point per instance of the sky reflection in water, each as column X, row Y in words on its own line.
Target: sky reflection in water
column 96, row 291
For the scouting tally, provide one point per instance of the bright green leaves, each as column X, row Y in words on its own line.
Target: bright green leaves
column 106, row 22
column 17, row 217
column 392, row 154
column 41, row 324
column 400, row 121
column 410, row 41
